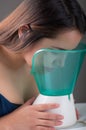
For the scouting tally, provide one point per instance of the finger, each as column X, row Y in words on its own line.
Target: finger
column 45, row 107
column 77, row 114
column 49, row 116
column 45, row 128
column 49, row 122
column 29, row 102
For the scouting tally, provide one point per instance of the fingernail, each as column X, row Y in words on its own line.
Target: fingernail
column 57, row 105
column 59, row 122
column 60, row 117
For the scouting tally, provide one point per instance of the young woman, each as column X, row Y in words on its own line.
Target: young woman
column 35, row 24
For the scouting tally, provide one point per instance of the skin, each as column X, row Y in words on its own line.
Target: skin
column 30, row 116
column 67, row 39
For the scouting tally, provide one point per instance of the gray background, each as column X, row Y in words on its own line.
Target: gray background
column 6, row 6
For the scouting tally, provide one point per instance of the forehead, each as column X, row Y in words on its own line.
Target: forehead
column 67, row 40
column 64, row 40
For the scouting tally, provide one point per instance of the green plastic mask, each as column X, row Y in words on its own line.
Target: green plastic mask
column 56, row 71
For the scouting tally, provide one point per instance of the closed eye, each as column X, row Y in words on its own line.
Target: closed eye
column 58, row 48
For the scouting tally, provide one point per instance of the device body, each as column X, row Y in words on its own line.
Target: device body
column 56, row 72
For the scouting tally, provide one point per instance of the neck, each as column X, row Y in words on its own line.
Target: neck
column 10, row 59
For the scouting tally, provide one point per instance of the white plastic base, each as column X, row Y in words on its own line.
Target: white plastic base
column 67, row 108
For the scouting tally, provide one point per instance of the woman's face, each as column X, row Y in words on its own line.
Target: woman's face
column 65, row 40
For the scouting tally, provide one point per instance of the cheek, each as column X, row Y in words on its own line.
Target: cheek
column 28, row 59
column 28, row 55
column 73, row 44
column 74, row 41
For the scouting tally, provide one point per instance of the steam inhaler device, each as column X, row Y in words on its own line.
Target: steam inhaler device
column 56, row 72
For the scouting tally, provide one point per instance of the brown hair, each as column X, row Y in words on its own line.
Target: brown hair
column 44, row 17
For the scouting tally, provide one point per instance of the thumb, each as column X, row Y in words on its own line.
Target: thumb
column 29, row 102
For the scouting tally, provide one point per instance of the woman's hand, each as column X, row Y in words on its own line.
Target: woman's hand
column 35, row 117
column 77, row 114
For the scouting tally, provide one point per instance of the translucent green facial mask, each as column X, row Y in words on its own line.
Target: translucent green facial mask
column 56, row 71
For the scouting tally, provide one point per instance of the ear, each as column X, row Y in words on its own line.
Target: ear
column 22, row 30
